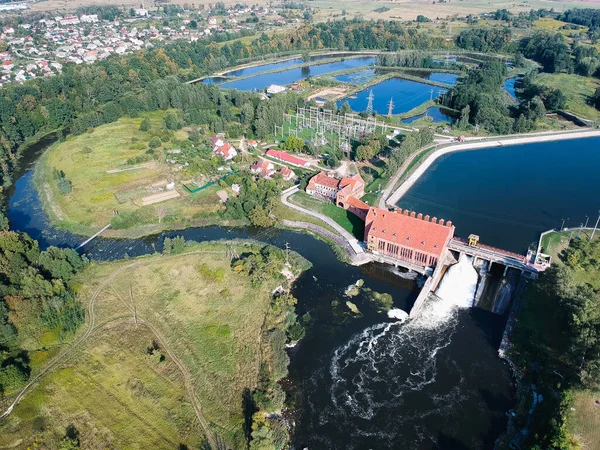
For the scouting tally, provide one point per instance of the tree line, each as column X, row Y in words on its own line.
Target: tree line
column 38, row 306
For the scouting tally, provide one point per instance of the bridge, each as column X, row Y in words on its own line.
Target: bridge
column 494, row 255
column 91, row 238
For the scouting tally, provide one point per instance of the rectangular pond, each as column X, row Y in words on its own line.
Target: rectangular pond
column 405, row 94
column 357, row 77
column 261, row 82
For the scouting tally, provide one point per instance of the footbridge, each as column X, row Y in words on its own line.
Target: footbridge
column 493, row 255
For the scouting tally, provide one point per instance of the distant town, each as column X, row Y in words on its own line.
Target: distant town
column 39, row 47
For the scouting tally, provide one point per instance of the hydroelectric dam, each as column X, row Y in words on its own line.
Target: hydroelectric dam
column 427, row 245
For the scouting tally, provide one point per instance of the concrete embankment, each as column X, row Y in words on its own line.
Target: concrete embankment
column 501, row 142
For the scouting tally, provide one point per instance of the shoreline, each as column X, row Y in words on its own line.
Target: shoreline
column 501, row 141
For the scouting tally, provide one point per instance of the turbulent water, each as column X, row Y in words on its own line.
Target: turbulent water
column 398, row 384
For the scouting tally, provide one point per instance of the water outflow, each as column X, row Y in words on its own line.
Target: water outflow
column 459, row 284
column 398, row 381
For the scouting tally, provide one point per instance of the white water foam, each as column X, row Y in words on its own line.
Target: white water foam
column 398, row 314
column 459, row 284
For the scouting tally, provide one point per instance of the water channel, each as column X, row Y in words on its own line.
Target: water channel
column 285, row 77
column 361, row 380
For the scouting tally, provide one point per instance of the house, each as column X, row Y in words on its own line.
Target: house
column 7, row 65
column 226, row 151
column 252, row 143
column 263, row 168
column 285, row 157
column 287, row 174
column 217, row 142
column 326, row 184
column 406, row 236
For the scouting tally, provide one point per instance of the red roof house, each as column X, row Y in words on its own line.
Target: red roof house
column 263, row 167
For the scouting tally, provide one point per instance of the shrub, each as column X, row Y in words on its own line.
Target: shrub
column 145, row 125
column 155, row 142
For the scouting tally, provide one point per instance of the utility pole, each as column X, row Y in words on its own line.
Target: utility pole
column 370, row 98
column 562, row 225
column 390, row 107
column 586, row 221
column 596, row 226
column 287, row 254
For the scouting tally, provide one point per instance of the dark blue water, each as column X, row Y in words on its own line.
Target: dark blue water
column 357, row 77
column 441, row 77
column 436, row 114
column 255, row 70
column 509, row 195
column 213, row 80
column 260, row 82
column 406, row 95
column 509, row 86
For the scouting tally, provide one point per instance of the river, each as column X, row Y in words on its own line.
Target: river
column 358, row 382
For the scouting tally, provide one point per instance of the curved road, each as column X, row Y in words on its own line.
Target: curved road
column 352, row 241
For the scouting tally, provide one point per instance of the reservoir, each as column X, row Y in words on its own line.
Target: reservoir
column 509, row 195
column 255, row 70
column 406, row 95
column 261, row 82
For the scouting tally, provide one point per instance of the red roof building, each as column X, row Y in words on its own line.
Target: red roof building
column 285, row 157
column 287, row 174
column 325, row 184
column 356, row 207
column 226, row 151
column 407, row 236
column 263, row 167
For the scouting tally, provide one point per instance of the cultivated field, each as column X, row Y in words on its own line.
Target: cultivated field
column 125, row 387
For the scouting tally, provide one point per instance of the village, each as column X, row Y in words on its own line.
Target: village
column 40, row 47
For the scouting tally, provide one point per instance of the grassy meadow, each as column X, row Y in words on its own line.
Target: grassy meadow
column 195, row 312
column 577, row 89
column 96, row 193
column 113, row 393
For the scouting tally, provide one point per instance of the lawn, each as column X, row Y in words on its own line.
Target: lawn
column 346, row 219
column 578, row 91
column 207, row 316
column 96, row 194
column 583, row 420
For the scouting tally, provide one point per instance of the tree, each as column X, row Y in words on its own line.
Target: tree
column 293, row 143
column 171, row 121
column 155, row 142
column 465, row 114
column 345, row 108
column 145, row 125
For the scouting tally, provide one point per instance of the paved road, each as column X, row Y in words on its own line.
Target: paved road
column 352, row 241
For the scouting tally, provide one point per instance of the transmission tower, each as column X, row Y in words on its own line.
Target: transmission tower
column 370, row 98
column 390, row 107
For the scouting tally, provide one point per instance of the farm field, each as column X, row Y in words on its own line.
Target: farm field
column 153, row 316
column 111, row 170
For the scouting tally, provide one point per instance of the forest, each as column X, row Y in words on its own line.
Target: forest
column 39, row 308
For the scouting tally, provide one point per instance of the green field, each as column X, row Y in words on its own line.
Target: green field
column 202, row 314
column 114, row 395
column 578, row 91
column 96, row 194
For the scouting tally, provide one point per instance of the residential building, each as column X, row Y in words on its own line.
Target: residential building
column 407, row 236
column 226, row 151
column 263, row 168
column 287, row 174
